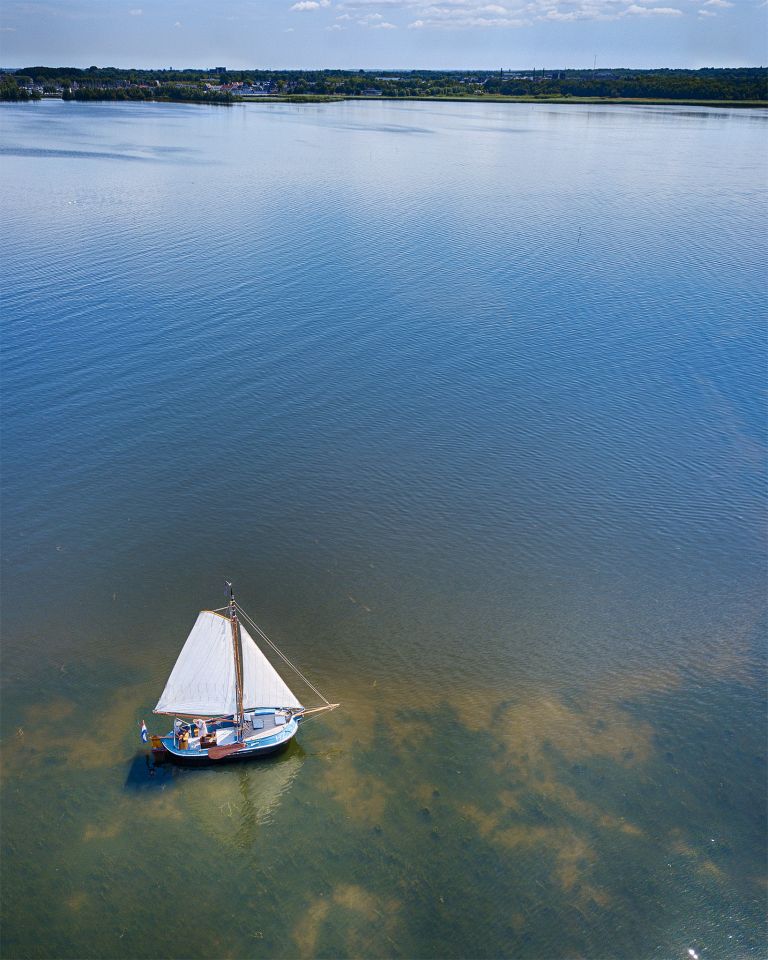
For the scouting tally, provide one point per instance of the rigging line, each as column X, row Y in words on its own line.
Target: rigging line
column 312, row 716
column 279, row 652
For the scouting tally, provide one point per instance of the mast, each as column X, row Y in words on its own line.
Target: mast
column 237, row 650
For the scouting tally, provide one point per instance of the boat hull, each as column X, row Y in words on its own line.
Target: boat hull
column 192, row 760
column 263, row 746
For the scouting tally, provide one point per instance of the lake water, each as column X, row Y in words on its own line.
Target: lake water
column 468, row 401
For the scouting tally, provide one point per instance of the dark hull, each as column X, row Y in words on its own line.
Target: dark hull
column 243, row 756
column 263, row 737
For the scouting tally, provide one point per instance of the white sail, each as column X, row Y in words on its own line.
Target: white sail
column 262, row 684
column 202, row 682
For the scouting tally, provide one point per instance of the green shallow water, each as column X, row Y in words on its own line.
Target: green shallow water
column 453, row 829
column 469, row 404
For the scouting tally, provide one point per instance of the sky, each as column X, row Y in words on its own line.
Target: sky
column 370, row 34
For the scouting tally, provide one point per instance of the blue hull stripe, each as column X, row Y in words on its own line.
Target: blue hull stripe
column 250, row 749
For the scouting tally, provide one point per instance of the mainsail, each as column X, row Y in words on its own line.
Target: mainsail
column 203, row 682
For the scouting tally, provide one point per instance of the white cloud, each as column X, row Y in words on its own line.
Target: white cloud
column 466, row 22
column 507, row 14
column 7, row 29
column 303, row 5
column 354, row 4
column 375, row 21
column 706, row 13
column 718, row 3
column 178, row 23
column 137, row 12
column 570, row 16
column 635, row 10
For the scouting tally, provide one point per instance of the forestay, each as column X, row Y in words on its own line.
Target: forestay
column 202, row 683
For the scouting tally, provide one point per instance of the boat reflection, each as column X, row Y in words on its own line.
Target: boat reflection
column 234, row 806
column 231, row 804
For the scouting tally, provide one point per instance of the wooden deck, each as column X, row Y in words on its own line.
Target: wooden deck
column 262, row 726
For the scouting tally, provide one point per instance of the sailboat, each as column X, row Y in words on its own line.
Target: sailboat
column 227, row 700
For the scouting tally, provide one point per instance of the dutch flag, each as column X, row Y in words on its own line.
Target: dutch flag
column 144, row 734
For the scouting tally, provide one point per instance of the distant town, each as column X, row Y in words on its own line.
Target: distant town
column 739, row 86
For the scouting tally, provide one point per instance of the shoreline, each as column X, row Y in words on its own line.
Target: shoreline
column 620, row 101
column 320, row 98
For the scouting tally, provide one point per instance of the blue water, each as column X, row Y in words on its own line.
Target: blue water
column 469, row 402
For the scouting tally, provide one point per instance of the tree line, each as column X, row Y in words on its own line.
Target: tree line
column 165, row 91
column 113, row 83
column 11, row 90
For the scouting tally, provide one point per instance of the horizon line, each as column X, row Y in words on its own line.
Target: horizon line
column 379, row 69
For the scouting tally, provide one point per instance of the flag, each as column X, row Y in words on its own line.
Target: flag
column 144, row 734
